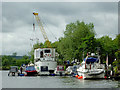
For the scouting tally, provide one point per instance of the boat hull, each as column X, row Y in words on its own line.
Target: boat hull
column 89, row 75
column 50, row 67
column 31, row 73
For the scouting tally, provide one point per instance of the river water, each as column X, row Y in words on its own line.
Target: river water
column 53, row 82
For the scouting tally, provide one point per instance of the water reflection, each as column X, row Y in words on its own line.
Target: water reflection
column 55, row 82
column 119, row 83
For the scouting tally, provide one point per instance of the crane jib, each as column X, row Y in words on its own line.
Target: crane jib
column 42, row 29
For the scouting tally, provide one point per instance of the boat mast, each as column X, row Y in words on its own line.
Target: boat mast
column 98, row 49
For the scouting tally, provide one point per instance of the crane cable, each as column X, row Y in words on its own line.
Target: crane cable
column 49, row 29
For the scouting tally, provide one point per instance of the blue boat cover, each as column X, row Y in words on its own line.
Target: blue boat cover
column 91, row 60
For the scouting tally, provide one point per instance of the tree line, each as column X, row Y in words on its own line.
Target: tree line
column 10, row 60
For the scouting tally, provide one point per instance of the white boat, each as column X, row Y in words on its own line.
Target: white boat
column 59, row 71
column 90, row 68
column 72, row 70
column 44, row 60
column 69, row 70
column 30, row 70
column 13, row 71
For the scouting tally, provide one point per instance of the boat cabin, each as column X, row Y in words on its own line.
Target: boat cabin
column 44, row 54
column 44, row 60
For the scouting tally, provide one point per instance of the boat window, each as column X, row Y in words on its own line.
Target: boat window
column 37, row 53
column 13, row 69
column 47, row 51
column 41, row 54
column 44, row 68
column 61, row 68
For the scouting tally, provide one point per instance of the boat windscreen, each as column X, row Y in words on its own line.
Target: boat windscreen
column 91, row 60
column 47, row 51
column 30, row 68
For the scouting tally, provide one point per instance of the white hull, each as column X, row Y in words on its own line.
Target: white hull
column 90, row 68
column 50, row 64
column 44, row 60
column 60, row 73
column 92, row 75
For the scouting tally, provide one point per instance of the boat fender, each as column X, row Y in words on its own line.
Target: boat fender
column 105, row 77
column 76, row 76
column 25, row 75
column 80, row 77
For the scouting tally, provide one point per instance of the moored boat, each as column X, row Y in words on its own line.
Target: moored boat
column 90, row 68
column 59, row 71
column 72, row 70
column 13, row 71
column 44, row 59
column 30, row 70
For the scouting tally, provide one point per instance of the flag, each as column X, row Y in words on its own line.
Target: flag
column 107, row 60
column 87, row 54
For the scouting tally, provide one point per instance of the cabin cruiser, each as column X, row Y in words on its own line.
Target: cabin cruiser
column 90, row 68
column 44, row 60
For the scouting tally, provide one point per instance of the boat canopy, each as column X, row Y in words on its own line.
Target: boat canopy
column 91, row 60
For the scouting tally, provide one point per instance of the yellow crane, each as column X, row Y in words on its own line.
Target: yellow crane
column 42, row 29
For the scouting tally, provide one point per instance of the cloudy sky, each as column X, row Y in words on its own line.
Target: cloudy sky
column 17, row 21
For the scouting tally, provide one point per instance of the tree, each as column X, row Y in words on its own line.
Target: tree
column 107, row 47
column 116, row 63
column 78, row 37
column 14, row 54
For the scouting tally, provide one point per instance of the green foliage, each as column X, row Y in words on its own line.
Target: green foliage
column 116, row 69
column 107, row 47
column 8, row 61
column 14, row 54
column 79, row 37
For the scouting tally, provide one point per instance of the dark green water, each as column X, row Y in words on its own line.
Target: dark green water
column 54, row 82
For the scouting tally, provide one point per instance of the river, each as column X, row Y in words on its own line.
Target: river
column 53, row 82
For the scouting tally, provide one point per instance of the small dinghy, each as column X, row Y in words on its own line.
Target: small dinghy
column 13, row 71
